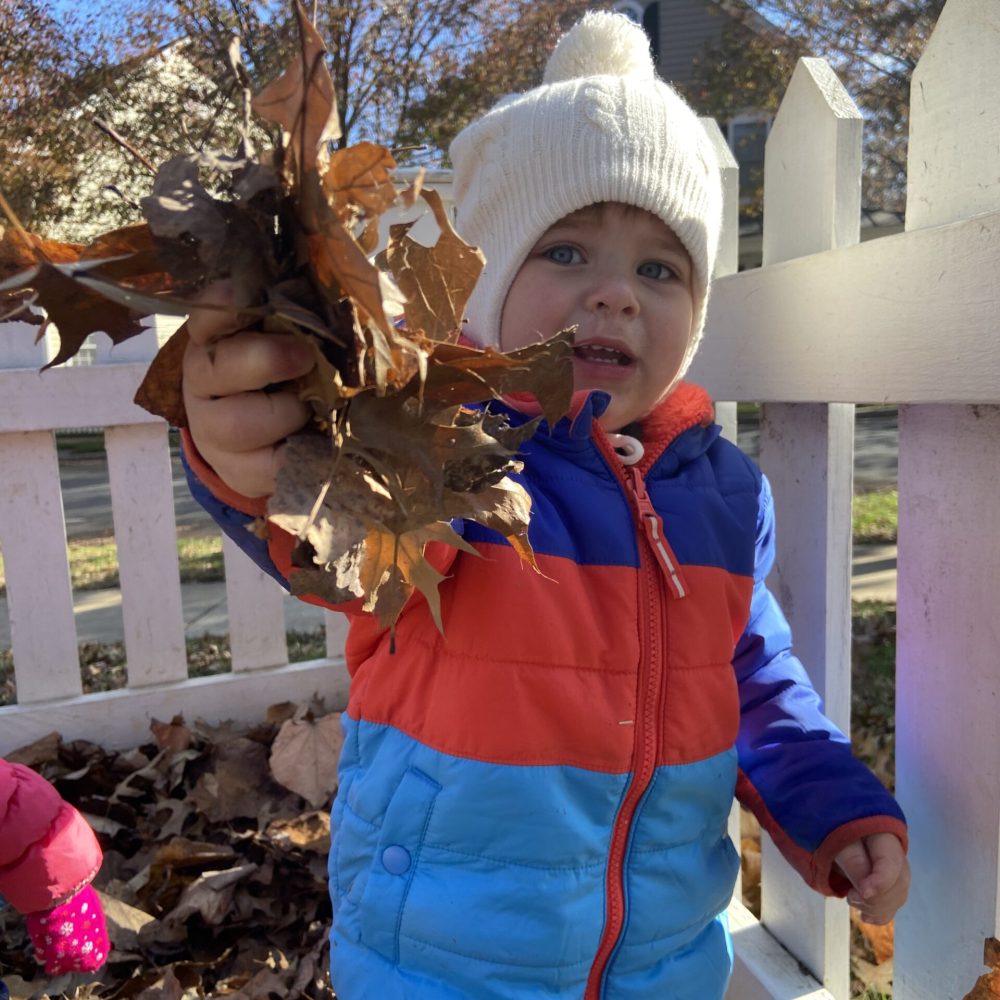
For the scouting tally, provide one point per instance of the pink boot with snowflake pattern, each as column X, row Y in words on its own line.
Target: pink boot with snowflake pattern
column 71, row 937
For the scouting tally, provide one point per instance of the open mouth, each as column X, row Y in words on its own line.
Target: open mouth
column 602, row 355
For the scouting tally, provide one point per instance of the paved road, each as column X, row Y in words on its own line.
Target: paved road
column 87, row 504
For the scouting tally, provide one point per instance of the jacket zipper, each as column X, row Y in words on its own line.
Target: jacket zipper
column 660, row 574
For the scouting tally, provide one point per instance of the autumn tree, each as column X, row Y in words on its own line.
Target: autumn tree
column 409, row 72
column 872, row 45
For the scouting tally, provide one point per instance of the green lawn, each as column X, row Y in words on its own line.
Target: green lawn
column 875, row 516
column 93, row 564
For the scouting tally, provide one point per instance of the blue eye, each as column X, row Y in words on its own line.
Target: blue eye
column 563, row 254
column 655, row 270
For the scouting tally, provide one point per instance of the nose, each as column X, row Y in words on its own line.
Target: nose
column 613, row 292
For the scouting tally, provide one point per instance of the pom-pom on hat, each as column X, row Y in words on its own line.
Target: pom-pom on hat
column 602, row 127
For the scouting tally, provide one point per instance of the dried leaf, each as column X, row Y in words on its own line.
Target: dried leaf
column 544, row 371
column 238, row 786
column 308, row 832
column 76, row 312
column 436, row 281
column 987, row 986
column 209, row 896
column 180, row 852
column 173, row 735
column 358, row 179
column 879, row 937
column 305, row 755
column 179, row 206
column 302, row 99
column 20, row 251
column 160, row 391
column 125, row 922
column 42, row 751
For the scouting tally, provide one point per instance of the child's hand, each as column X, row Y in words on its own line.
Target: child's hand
column 238, row 411
column 877, row 868
column 71, row 937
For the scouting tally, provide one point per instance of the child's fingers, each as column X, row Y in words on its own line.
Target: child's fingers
column 888, row 864
column 251, row 473
column 246, row 421
column 880, row 893
column 855, row 863
column 243, row 362
column 207, row 324
column 882, row 908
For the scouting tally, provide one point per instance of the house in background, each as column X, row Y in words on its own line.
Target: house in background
column 680, row 32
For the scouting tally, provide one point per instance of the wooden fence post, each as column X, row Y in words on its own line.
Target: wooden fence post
column 728, row 258
column 727, row 262
column 948, row 696
column 812, row 202
column 39, row 594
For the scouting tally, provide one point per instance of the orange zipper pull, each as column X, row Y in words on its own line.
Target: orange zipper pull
column 653, row 525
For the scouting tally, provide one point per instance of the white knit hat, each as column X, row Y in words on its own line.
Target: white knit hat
column 601, row 128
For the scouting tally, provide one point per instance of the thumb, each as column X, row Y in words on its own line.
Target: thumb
column 855, row 863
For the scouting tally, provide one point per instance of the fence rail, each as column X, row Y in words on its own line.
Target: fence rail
column 826, row 323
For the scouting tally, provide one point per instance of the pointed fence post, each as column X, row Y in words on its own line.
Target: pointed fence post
column 812, row 202
column 948, row 695
column 727, row 262
column 40, row 595
column 142, row 504
column 728, row 257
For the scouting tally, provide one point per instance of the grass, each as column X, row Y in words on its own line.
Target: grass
column 93, row 563
column 875, row 517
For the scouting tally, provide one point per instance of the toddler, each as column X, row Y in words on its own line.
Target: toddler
column 535, row 803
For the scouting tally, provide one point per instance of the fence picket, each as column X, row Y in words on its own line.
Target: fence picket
column 727, row 262
column 947, row 701
column 142, row 504
column 255, row 606
column 812, row 202
column 39, row 596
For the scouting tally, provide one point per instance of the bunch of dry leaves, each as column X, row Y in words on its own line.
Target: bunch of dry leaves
column 214, row 875
column 399, row 445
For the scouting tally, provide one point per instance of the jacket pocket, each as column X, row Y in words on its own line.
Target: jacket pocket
column 395, row 862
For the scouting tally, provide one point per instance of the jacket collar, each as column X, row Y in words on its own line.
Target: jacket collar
column 687, row 406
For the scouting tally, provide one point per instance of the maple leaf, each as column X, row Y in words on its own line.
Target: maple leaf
column 358, row 181
column 304, row 757
column 436, row 281
column 160, row 390
column 75, row 312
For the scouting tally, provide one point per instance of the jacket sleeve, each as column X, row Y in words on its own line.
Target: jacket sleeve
column 48, row 852
column 797, row 773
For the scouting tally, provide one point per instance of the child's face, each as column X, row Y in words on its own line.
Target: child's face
column 622, row 277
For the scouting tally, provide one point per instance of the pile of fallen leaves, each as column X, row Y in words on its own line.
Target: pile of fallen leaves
column 399, row 445
column 214, row 876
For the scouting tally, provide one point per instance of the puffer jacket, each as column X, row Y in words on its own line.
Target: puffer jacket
column 535, row 804
column 47, row 850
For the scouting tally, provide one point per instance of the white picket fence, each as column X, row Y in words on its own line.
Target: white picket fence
column 912, row 319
